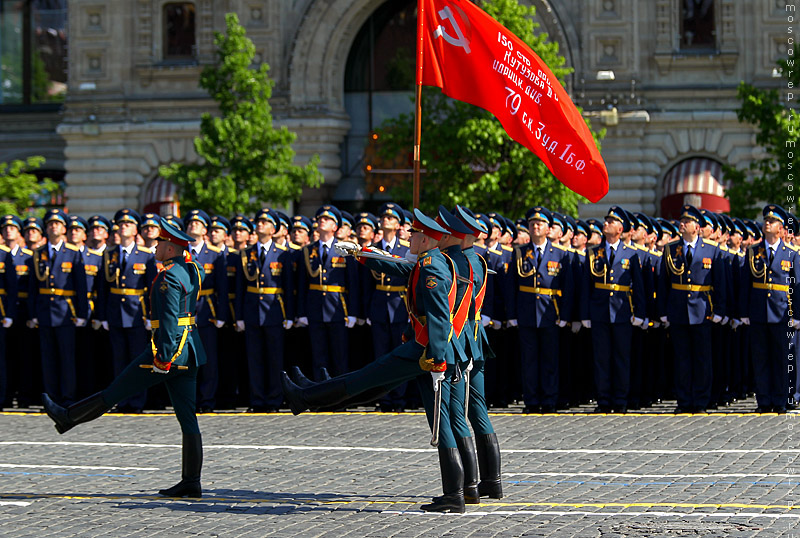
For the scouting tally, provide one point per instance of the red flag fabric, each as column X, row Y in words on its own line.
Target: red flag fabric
column 473, row 58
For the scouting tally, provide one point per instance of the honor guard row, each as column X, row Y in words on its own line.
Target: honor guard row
column 625, row 311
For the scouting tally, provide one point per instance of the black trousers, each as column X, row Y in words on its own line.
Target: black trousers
column 611, row 343
column 264, row 363
column 127, row 344
column 692, row 345
column 769, row 344
column 328, row 348
column 539, row 350
column 58, row 362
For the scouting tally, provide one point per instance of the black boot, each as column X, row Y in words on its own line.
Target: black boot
column 489, row 462
column 452, row 484
column 300, row 379
column 466, row 449
column 325, row 394
column 65, row 418
column 189, row 486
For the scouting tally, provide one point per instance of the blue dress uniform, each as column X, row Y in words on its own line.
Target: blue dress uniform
column 57, row 299
column 772, row 276
column 327, row 294
column 8, row 310
column 691, row 293
column 22, row 340
column 384, row 305
column 539, row 295
column 264, row 286
column 212, row 307
column 174, row 357
column 612, row 293
column 431, row 296
column 122, row 295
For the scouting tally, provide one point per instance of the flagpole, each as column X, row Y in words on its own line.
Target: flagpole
column 418, row 99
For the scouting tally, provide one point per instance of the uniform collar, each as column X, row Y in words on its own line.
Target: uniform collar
column 267, row 246
column 199, row 248
column 614, row 246
column 15, row 250
column 388, row 246
column 693, row 244
column 127, row 250
column 774, row 246
column 328, row 243
column 57, row 247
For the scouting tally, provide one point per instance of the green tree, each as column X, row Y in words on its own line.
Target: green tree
column 468, row 157
column 19, row 188
column 246, row 161
column 769, row 178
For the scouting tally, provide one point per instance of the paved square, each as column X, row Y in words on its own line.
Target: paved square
column 365, row 475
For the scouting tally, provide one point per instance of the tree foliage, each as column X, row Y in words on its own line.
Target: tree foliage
column 468, row 157
column 246, row 161
column 19, row 188
column 767, row 179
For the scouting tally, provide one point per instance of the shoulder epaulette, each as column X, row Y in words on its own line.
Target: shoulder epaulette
column 27, row 251
column 95, row 252
column 212, row 248
column 233, row 251
column 656, row 252
column 280, row 247
column 493, row 251
column 792, row 247
column 404, row 242
column 294, row 246
column 72, row 247
column 710, row 242
column 741, row 254
column 724, row 248
column 507, row 248
column 579, row 253
column 5, row 248
column 559, row 247
column 640, row 247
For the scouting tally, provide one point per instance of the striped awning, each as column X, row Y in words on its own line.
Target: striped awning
column 160, row 190
column 698, row 175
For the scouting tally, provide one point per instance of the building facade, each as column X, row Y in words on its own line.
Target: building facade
column 660, row 76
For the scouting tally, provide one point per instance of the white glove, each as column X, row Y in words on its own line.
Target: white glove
column 576, row 326
column 716, row 318
column 725, row 320
column 587, row 323
column 96, row 324
column 497, row 324
column 33, row 323
column 346, row 248
column 239, row 326
column 561, row 323
column 80, row 322
column 485, row 320
column 219, row 324
column 369, row 322
column 656, row 324
column 350, row 322
column 360, row 321
column 512, row 323
column 302, row 322
column 735, row 324
column 793, row 324
column 287, row 324
column 148, row 325
column 7, row 322
column 157, row 370
column 436, row 377
column 746, row 321
column 469, row 366
column 105, row 324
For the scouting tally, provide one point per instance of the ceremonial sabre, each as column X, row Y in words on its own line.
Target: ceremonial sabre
column 437, row 413
column 346, row 248
column 150, row 367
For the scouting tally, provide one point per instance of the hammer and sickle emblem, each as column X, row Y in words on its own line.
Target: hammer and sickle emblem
column 461, row 41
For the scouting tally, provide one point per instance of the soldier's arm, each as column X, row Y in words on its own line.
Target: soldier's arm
column 79, row 282
column 434, row 285
column 380, row 266
column 566, row 281
column 663, row 286
column 637, row 288
column 150, row 272
column 10, row 300
column 510, row 287
column 302, row 284
column 719, row 282
column 585, row 293
column 287, row 283
column 220, row 296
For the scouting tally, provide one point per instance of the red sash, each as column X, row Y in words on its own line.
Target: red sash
column 420, row 328
column 461, row 314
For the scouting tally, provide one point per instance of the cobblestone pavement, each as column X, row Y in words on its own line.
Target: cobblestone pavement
column 365, row 475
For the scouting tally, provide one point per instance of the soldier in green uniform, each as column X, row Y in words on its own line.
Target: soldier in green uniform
column 176, row 354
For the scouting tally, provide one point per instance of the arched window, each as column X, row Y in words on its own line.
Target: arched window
column 179, row 32
column 698, row 30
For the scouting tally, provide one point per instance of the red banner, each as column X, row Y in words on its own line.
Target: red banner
column 474, row 59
